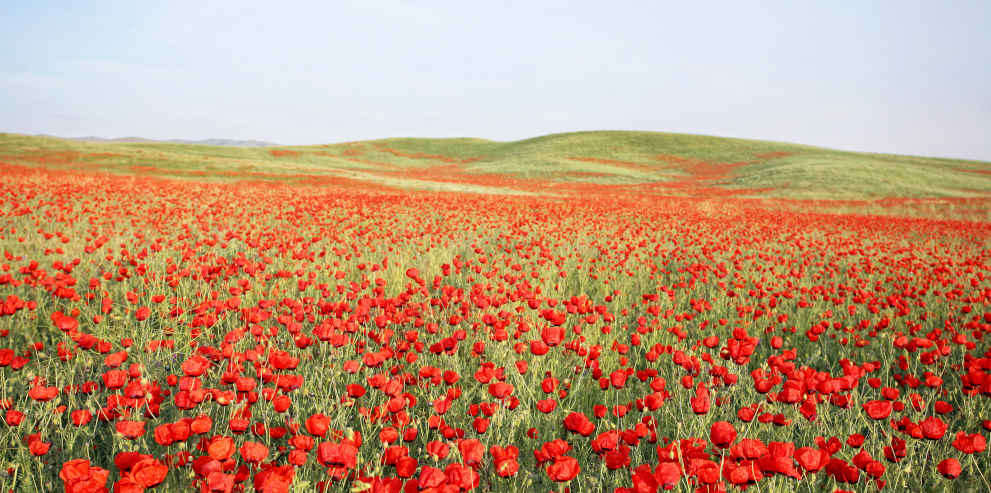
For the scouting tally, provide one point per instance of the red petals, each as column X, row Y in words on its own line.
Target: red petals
column 317, row 425
column 195, row 366
column 933, row 428
column 878, row 409
column 579, row 423
column 337, row 454
column 148, row 472
column 722, row 434
column 37, row 447
column 130, row 429
column 274, row 479
column 79, row 476
column 505, row 459
column 220, row 447
column 253, row 451
column 500, row 390
column 701, row 402
column 546, row 405
column 970, row 443
column 563, row 469
column 406, row 467
column 472, row 452
column 949, row 468
column 811, row 459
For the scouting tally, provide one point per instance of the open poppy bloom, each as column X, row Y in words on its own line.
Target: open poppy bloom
column 878, row 409
column 563, row 469
column 970, row 443
column 949, row 468
column 722, row 434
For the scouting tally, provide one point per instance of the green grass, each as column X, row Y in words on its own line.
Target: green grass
column 805, row 172
column 847, row 175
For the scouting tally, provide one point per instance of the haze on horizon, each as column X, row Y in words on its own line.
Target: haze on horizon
column 905, row 77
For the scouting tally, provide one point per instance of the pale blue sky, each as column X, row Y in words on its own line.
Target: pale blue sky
column 907, row 77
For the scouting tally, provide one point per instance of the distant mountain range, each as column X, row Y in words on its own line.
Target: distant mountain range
column 205, row 142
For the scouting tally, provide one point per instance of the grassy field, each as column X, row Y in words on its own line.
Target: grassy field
column 618, row 312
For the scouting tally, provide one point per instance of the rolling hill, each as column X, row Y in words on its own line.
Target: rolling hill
column 650, row 162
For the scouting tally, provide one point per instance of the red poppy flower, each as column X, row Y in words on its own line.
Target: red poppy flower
column 933, row 428
column 667, row 474
column 461, row 476
column 480, row 425
column 579, row 423
column 355, row 391
column 275, row 479
column 220, row 447
column 79, row 475
column 195, row 366
column 942, row 407
column 41, row 393
column 949, row 468
column 38, row 447
column 317, row 425
column 878, row 409
column 749, row 448
column 564, row 468
column 472, row 451
column 701, row 402
column 430, row 477
column 148, row 472
column 131, row 429
column 970, row 444
column 406, row 467
column 618, row 458
column 722, row 434
column 546, row 405
column 201, row 424
column 218, row 482
column 163, row 435
column 253, row 451
column 811, row 459
column 552, row 335
column 550, row 450
column 338, row 454
column 500, row 390
column 618, row 379
column 505, row 460
column 63, row 322
column 126, row 460
column 127, row 485
column 80, row 417
column 855, row 440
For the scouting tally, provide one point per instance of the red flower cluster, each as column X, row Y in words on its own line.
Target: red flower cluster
column 219, row 337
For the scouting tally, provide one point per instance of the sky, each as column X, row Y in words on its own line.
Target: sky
column 905, row 77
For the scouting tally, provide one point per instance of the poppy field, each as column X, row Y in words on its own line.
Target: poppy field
column 280, row 329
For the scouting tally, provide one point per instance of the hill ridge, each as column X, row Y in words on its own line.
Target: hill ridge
column 576, row 162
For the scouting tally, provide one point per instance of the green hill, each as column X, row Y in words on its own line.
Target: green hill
column 655, row 162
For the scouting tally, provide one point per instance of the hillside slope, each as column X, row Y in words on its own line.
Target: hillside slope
column 663, row 163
